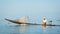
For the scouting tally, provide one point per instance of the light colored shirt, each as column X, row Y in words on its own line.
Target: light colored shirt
column 44, row 21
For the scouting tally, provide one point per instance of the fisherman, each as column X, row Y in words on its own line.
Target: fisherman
column 44, row 21
column 50, row 22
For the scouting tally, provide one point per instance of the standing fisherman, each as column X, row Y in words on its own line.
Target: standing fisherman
column 44, row 21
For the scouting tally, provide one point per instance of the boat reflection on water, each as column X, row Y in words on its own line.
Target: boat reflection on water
column 23, row 29
column 31, row 29
column 44, row 28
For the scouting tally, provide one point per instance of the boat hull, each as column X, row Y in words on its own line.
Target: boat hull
column 16, row 22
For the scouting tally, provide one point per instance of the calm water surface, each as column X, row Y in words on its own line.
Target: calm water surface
column 31, row 29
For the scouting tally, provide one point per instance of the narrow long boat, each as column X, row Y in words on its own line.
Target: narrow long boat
column 16, row 22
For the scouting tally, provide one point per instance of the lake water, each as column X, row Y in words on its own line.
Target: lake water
column 35, row 10
column 31, row 29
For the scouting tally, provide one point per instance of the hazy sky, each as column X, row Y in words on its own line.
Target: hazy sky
column 36, row 9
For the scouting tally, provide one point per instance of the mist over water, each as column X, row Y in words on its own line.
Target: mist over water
column 36, row 10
